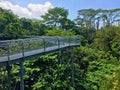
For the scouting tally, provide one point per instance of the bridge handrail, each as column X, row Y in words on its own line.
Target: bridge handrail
column 9, row 47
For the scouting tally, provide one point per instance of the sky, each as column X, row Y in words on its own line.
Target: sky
column 36, row 8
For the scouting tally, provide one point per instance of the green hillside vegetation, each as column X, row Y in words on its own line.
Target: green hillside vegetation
column 97, row 60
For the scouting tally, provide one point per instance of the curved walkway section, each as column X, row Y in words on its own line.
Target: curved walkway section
column 13, row 50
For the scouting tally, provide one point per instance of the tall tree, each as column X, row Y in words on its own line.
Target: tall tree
column 55, row 17
column 87, row 16
column 6, row 17
column 98, row 18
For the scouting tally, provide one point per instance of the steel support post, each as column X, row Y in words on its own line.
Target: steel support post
column 73, row 68
column 21, row 76
column 61, row 56
column 9, row 76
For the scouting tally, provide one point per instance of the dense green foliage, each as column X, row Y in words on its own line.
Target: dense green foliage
column 97, row 60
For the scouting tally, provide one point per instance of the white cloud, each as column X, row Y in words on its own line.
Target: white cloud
column 31, row 11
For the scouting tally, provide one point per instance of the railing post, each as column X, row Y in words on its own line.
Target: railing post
column 8, row 51
column 58, row 42
column 28, row 44
column 69, row 40
column 78, row 40
column 73, row 68
column 23, row 48
column 43, row 44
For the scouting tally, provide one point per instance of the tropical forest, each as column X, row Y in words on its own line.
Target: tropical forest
column 96, row 60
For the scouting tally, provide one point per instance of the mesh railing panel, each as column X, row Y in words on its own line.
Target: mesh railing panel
column 10, row 47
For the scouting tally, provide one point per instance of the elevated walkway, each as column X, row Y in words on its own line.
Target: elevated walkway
column 13, row 51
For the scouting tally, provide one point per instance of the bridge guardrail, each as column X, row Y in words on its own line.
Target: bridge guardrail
column 9, row 47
